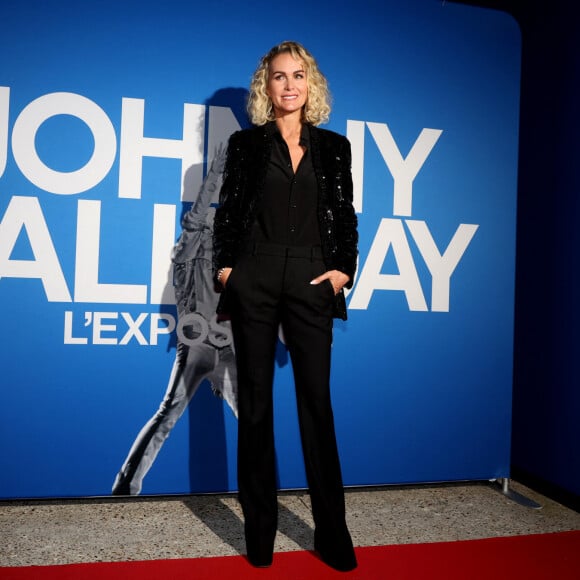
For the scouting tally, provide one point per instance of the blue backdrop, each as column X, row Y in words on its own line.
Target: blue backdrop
column 109, row 115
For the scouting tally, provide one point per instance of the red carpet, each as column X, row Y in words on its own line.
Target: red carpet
column 545, row 557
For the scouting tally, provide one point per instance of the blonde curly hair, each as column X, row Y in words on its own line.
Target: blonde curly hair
column 317, row 108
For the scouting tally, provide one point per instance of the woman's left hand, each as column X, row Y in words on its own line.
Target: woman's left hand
column 337, row 278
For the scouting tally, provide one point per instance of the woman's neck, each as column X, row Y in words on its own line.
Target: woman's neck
column 290, row 126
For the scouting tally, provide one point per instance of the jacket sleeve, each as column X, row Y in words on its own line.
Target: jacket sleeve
column 345, row 220
column 228, row 218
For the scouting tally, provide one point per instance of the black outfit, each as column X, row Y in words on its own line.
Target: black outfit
column 278, row 230
column 241, row 195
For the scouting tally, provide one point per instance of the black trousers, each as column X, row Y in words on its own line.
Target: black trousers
column 271, row 285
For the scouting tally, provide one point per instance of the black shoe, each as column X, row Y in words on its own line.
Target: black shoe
column 260, row 562
column 260, row 547
column 341, row 558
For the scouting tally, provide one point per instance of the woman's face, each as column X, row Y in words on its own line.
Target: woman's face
column 287, row 85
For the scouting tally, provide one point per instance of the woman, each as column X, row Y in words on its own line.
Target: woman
column 285, row 246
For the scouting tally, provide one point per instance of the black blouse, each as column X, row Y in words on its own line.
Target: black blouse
column 288, row 209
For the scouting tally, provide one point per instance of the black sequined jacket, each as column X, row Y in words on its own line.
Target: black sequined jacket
column 247, row 161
